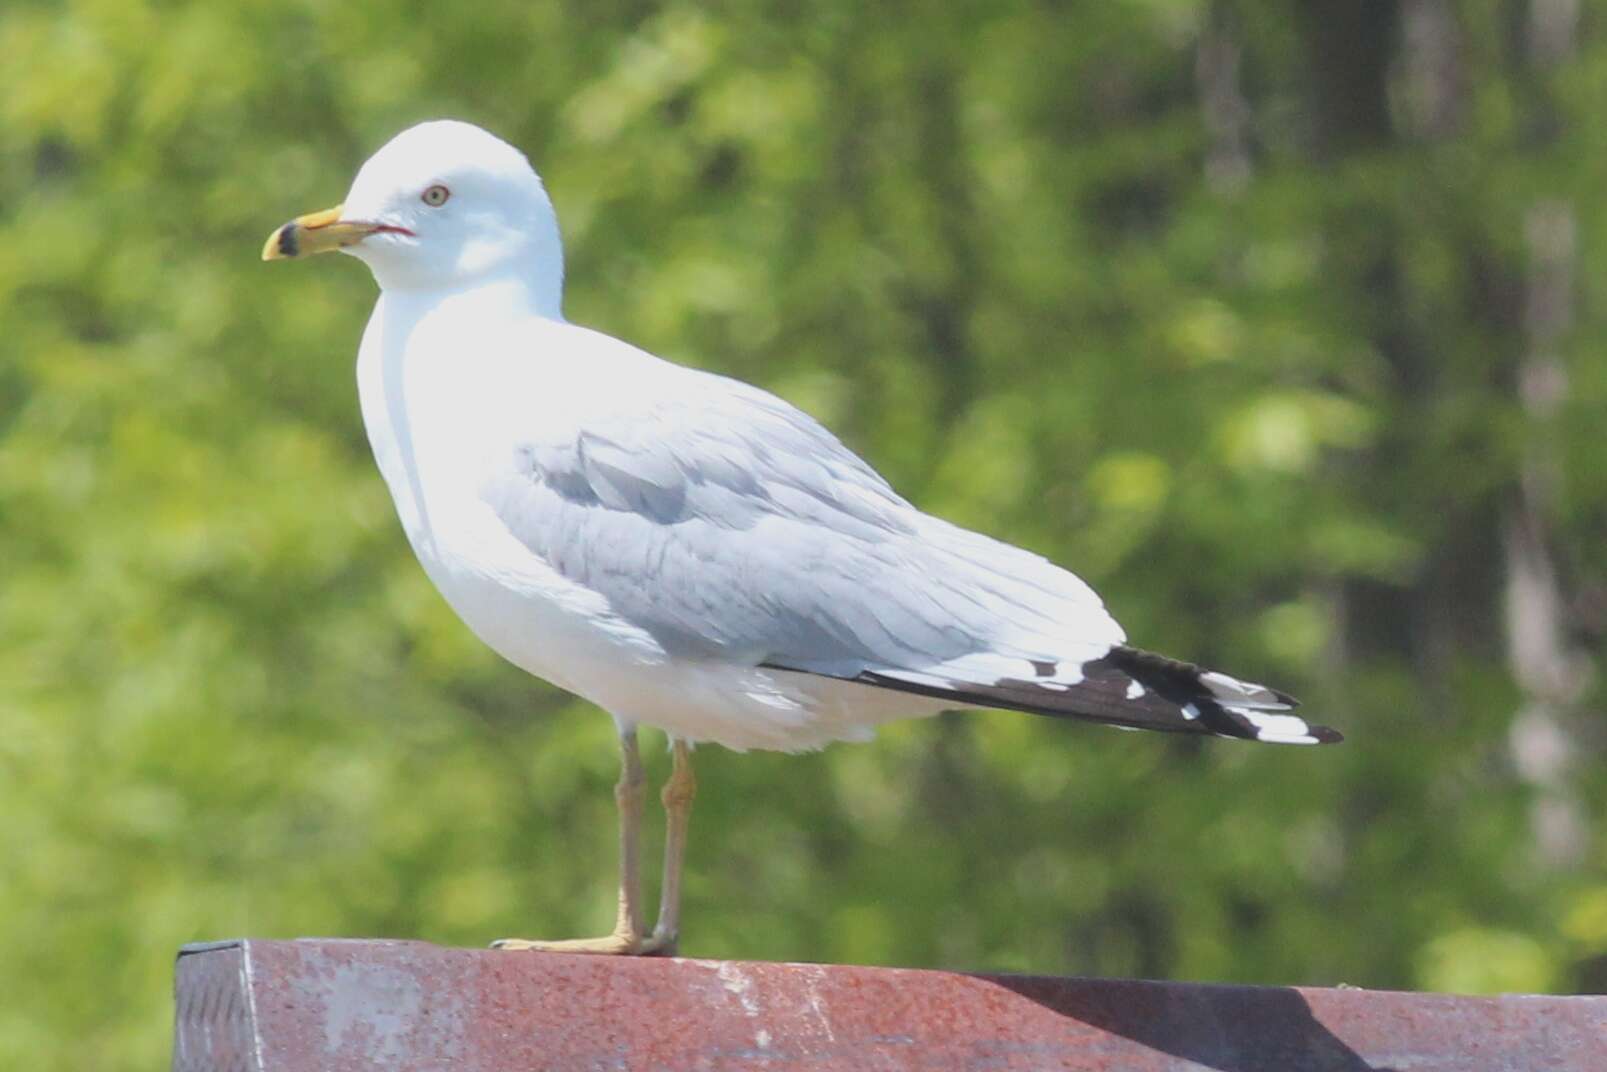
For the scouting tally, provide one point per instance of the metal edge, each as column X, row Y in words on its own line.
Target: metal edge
column 190, row 949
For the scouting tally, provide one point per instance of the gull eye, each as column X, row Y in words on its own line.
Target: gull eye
column 435, row 196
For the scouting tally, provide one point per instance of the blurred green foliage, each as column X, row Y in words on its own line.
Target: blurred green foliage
column 1225, row 306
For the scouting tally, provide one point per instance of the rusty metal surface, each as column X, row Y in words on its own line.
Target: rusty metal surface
column 354, row 1006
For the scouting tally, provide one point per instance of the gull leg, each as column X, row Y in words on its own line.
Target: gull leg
column 629, row 930
column 677, row 796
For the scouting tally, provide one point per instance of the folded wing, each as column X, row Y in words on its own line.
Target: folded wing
column 731, row 526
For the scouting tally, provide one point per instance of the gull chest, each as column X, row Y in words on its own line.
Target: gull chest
column 442, row 420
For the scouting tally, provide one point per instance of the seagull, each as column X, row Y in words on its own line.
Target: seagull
column 684, row 550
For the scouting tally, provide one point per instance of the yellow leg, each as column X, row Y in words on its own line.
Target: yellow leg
column 629, row 931
column 677, row 796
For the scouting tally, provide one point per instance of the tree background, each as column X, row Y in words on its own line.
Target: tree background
column 1279, row 323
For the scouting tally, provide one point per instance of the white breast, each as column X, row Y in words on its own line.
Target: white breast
column 436, row 436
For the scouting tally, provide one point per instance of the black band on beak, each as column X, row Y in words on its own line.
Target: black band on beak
column 288, row 246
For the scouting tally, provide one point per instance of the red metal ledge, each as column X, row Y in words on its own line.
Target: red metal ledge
column 352, row 1006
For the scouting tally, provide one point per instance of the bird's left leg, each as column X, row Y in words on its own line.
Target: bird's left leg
column 629, row 931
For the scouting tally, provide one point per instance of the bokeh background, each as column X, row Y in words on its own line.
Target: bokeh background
column 1282, row 324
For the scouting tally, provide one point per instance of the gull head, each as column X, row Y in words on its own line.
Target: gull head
column 443, row 205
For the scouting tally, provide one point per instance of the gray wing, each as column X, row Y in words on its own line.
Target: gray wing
column 730, row 525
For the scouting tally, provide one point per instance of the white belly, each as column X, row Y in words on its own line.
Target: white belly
column 568, row 635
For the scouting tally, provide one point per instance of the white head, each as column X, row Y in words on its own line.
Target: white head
column 443, row 205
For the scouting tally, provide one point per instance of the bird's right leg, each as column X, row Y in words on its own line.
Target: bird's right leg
column 628, row 936
column 677, row 796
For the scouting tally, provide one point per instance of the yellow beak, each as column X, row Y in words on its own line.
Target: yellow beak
column 318, row 232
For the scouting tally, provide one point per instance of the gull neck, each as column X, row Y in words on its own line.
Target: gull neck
column 486, row 296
